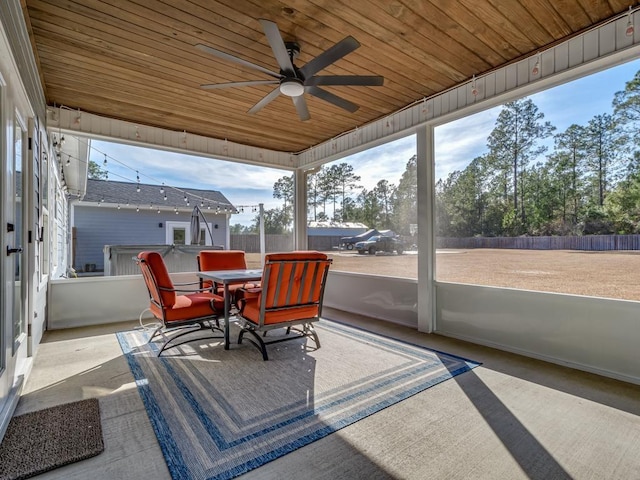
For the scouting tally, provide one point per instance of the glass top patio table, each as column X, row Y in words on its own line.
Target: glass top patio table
column 226, row 277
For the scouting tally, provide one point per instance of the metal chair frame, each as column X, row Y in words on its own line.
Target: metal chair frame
column 183, row 327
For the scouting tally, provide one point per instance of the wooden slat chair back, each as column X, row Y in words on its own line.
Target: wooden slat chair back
column 291, row 294
column 180, row 310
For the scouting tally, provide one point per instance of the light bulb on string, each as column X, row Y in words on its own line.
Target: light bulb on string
column 162, row 190
column 630, row 28
column 474, row 87
column 536, row 66
column 104, row 164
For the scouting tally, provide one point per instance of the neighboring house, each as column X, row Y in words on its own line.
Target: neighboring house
column 115, row 213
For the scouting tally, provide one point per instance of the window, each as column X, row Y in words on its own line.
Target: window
column 540, row 193
column 179, row 236
column 373, row 193
column 179, row 233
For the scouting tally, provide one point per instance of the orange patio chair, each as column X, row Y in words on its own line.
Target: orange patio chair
column 222, row 260
column 181, row 311
column 291, row 294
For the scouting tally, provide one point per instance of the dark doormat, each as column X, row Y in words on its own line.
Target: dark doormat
column 40, row 441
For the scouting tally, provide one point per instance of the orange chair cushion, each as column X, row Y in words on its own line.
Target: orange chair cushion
column 191, row 306
column 285, row 271
column 251, row 312
column 158, row 269
column 251, row 302
column 222, row 260
column 296, row 255
column 232, row 286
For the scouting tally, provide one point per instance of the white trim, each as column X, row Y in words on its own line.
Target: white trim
column 171, row 225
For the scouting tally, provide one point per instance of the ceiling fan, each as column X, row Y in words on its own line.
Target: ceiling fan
column 294, row 82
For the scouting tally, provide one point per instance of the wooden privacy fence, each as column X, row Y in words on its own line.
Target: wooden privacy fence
column 282, row 243
column 251, row 243
column 590, row 242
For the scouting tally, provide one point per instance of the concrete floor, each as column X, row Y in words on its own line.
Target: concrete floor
column 511, row 418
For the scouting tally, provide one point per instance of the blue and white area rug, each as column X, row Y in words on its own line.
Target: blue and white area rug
column 218, row 414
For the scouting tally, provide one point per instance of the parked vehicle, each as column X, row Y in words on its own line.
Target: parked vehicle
column 380, row 243
column 349, row 242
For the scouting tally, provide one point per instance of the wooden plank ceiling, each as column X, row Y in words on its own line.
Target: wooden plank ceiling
column 136, row 60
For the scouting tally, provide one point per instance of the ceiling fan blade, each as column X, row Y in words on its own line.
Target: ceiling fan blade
column 331, row 98
column 326, row 58
column 356, row 80
column 268, row 98
column 301, row 107
column 250, row 83
column 231, row 58
column 277, row 45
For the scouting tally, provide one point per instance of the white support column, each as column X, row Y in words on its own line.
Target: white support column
column 262, row 235
column 426, row 227
column 300, row 210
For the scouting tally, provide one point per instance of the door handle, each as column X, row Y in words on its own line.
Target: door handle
column 13, row 250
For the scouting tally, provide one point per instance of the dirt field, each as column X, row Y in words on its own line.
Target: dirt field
column 614, row 274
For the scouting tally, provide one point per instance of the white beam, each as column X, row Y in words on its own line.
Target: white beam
column 425, row 167
column 85, row 124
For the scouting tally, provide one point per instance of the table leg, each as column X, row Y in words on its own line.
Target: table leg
column 227, row 306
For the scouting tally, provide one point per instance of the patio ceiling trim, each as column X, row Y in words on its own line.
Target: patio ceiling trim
column 84, row 124
column 594, row 50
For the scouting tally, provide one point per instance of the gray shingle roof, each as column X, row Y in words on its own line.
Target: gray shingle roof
column 123, row 193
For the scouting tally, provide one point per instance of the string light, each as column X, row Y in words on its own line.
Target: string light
column 163, row 186
column 630, row 29
column 474, row 87
column 536, row 66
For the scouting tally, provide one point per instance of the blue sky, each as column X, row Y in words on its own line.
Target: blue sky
column 457, row 143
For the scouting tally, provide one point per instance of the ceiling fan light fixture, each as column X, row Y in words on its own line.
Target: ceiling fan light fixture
column 292, row 87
